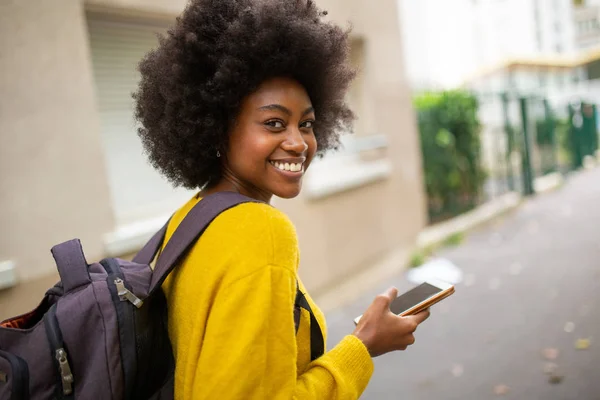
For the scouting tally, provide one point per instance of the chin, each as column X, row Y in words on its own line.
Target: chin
column 287, row 193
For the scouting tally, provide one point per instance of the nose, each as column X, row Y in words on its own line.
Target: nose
column 294, row 142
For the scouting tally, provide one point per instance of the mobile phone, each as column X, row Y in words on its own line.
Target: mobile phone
column 419, row 298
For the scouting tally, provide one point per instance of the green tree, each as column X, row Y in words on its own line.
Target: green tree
column 449, row 128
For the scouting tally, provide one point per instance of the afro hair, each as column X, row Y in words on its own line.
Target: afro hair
column 216, row 54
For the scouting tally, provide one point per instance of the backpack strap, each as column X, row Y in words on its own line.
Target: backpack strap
column 317, row 344
column 147, row 254
column 188, row 231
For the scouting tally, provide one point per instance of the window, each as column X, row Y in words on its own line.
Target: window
column 141, row 198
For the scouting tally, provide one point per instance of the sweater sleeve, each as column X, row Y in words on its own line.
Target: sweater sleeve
column 249, row 348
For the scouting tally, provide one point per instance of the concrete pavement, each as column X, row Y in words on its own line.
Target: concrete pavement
column 531, row 291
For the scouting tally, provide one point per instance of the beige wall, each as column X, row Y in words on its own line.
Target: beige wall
column 52, row 181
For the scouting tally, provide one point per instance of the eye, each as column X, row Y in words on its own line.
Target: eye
column 275, row 123
column 308, row 124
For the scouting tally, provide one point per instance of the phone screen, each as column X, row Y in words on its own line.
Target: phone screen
column 413, row 297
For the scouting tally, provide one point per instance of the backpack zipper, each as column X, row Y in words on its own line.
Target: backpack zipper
column 20, row 376
column 126, row 295
column 59, row 353
column 125, row 319
column 116, row 276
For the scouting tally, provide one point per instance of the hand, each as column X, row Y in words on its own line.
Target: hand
column 383, row 331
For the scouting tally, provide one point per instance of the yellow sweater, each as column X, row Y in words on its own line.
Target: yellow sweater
column 231, row 316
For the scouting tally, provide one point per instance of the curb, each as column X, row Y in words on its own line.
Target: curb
column 436, row 234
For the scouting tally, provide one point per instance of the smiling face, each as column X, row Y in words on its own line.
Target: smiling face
column 271, row 143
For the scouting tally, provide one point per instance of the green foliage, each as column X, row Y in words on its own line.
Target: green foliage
column 449, row 128
column 564, row 142
column 455, row 239
column 545, row 137
column 545, row 132
column 417, row 259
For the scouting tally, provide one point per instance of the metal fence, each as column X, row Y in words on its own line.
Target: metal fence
column 524, row 137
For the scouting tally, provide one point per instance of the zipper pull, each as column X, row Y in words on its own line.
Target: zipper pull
column 126, row 295
column 3, row 377
column 65, row 371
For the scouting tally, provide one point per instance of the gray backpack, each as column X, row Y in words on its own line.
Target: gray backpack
column 101, row 332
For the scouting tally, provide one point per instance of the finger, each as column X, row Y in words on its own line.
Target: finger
column 391, row 293
column 420, row 317
column 384, row 300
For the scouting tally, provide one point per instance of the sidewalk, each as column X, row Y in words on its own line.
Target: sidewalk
column 532, row 282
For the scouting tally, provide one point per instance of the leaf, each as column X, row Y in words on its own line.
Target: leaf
column 582, row 344
column 501, row 390
column 569, row 327
column 555, row 379
column 444, row 138
column 550, row 353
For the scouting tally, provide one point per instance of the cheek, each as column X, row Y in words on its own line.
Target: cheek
column 251, row 150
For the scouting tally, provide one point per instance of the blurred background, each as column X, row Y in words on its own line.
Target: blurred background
column 473, row 160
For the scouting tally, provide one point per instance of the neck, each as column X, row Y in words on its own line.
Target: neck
column 227, row 184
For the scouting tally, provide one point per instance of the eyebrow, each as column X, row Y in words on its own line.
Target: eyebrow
column 285, row 110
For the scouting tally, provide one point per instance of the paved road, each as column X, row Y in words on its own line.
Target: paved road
column 528, row 276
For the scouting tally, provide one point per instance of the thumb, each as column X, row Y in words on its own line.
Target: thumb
column 382, row 302
column 391, row 294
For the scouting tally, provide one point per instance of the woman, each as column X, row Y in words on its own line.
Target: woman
column 240, row 96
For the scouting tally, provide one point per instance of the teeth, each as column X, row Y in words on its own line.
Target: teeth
column 294, row 167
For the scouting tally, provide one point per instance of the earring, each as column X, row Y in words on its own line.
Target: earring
column 218, row 154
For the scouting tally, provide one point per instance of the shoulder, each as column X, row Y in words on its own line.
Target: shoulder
column 249, row 217
column 255, row 233
column 258, row 224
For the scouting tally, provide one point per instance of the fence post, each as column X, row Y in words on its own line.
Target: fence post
column 575, row 133
column 595, row 127
column 589, row 129
column 510, row 137
column 551, row 126
column 526, row 154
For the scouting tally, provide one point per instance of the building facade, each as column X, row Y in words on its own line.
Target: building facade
column 586, row 17
column 447, row 42
column 71, row 164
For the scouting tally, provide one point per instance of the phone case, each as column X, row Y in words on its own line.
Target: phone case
column 429, row 302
